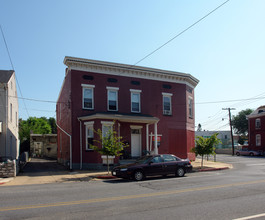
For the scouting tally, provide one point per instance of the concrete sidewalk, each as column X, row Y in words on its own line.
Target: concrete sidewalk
column 86, row 175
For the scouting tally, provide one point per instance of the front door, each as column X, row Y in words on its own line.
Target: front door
column 136, row 145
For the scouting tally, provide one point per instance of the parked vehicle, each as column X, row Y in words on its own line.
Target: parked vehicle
column 153, row 165
column 246, row 152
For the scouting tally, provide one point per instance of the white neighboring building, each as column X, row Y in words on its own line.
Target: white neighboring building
column 224, row 136
column 9, row 140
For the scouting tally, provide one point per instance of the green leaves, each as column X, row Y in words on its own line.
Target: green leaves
column 205, row 146
column 36, row 126
column 109, row 144
column 240, row 122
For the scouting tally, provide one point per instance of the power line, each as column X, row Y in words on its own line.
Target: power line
column 235, row 100
column 37, row 100
column 13, row 67
column 182, row 32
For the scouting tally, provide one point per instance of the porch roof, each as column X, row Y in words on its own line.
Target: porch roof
column 134, row 118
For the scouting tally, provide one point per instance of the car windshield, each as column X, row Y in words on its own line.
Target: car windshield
column 144, row 159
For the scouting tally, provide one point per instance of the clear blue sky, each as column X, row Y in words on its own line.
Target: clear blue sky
column 225, row 51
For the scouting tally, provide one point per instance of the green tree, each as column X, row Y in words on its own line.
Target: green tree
column 109, row 144
column 32, row 125
column 240, row 122
column 205, row 146
column 53, row 125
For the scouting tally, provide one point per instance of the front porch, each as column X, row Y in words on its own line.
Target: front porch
column 138, row 131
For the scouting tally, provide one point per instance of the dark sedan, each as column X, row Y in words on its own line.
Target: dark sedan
column 153, row 165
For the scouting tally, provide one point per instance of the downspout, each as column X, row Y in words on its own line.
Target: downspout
column 156, row 149
column 147, row 138
column 71, row 167
column 81, row 153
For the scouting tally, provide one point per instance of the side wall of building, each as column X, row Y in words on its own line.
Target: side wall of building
column 3, row 116
column 12, row 131
column 9, row 140
column 64, row 120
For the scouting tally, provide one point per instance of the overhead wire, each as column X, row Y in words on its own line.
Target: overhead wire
column 13, row 67
column 182, row 32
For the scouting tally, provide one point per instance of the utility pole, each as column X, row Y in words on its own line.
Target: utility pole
column 229, row 110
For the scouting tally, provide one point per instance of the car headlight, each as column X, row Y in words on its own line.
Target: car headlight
column 124, row 169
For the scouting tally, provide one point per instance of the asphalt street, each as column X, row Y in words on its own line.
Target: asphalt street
column 237, row 193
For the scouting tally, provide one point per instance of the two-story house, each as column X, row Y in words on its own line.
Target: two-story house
column 9, row 142
column 152, row 109
column 256, row 129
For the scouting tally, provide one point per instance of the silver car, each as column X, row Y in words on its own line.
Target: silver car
column 246, row 152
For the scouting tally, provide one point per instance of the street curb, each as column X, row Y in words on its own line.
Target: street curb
column 5, row 180
column 213, row 169
column 105, row 177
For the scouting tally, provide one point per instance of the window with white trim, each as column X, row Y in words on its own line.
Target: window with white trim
column 135, row 100
column 167, row 105
column 258, row 140
column 89, row 134
column 257, row 123
column 88, row 96
column 112, row 98
column 190, row 107
column 107, row 126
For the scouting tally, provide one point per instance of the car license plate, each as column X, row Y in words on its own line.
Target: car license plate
column 114, row 173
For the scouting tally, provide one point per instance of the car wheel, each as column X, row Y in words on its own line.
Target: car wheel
column 237, row 153
column 180, row 172
column 138, row 175
column 251, row 154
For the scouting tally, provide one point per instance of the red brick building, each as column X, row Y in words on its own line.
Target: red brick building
column 153, row 110
column 256, row 129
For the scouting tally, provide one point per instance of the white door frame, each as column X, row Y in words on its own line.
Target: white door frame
column 140, row 141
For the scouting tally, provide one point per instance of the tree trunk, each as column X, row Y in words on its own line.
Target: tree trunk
column 202, row 162
column 108, row 163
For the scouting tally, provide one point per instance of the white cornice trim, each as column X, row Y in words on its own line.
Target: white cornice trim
column 129, row 71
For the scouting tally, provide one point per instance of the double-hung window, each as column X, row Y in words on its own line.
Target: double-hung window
column 89, row 134
column 257, row 123
column 167, row 103
column 88, row 96
column 135, row 100
column 107, row 127
column 190, row 107
column 112, row 98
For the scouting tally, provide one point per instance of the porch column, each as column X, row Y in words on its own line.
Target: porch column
column 155, row 147
column 147, row 137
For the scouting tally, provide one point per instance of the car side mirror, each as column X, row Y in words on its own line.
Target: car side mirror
column 150, row 162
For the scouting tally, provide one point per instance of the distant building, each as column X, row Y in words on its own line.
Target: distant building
column 9, row 142
column 152, row 109
column 224, row 136
column 256, row 129
column 43, row 145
